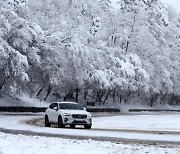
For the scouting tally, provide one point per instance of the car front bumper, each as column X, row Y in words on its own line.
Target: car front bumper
column 74, row 121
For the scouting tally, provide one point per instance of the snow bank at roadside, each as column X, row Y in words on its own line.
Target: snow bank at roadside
column 27, row 101
column 43, row 145
column 23, row 100
column 124, row 108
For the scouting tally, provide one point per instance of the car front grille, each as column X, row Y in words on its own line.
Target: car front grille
column 79, row 116
column 79, row 122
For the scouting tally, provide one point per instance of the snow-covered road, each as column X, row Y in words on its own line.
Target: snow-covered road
column 157, row 133
column 158, row 128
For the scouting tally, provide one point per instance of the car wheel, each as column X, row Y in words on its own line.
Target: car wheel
column 60, row 122
column 72, row 126
column 87, row 126
column 47, row 123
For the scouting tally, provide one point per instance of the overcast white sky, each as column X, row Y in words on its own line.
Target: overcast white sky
column 173, row 3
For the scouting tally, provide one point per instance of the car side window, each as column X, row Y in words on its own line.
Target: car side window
column 53, row 105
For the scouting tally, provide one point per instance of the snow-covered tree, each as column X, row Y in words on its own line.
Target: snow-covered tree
column 18, row 46
column 80, row 48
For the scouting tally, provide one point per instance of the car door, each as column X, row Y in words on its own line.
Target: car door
column 55, row 113
column 52, row 112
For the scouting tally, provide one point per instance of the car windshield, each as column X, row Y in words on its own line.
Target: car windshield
column 70, row 106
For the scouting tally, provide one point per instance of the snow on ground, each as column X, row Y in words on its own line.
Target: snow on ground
column 162, row 121
column 159, row 122
column 19, row 144
column 23, row 100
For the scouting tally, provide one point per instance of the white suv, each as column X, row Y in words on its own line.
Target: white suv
column 67, row 113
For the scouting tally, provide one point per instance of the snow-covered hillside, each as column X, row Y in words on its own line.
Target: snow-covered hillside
column 82, row 51
column 24, row 100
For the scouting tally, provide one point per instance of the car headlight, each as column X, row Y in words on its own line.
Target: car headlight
column 66, row 114
column 89, row 115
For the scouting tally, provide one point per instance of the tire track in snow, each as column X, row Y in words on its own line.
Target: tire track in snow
column 105, row 139
column 40, row 122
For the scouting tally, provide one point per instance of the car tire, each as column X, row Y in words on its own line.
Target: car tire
column 60, row 122
column 87, row 126
column 47, row 123
column 72, row 126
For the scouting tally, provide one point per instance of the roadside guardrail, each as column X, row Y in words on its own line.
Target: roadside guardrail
column 89, row 109
column 42, row 109
column 152, row 110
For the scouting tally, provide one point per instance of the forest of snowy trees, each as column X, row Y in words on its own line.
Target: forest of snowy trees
column 82, row 50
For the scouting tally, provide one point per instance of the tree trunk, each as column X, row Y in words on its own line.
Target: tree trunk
column 2, row 84
column 120, row 98
column 127, row 46
column 85, row 94
column 77, row 94
column 114, row 95
column 106, row 97
column 162, row 98
column 153, row 98
column 40, row 90
column 99, row 96
column 68, row 94
column 48, row 92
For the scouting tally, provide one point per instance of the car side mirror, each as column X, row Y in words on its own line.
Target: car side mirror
column 55, row 108
column 84, row 108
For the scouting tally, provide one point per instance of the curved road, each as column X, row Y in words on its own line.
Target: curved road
column 33, row 124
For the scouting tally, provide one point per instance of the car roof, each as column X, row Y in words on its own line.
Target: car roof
column 65, row 102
